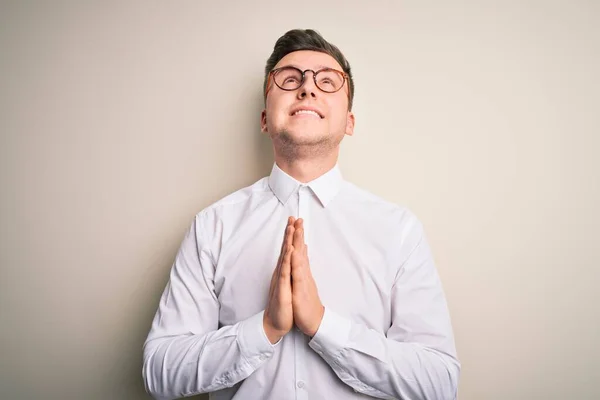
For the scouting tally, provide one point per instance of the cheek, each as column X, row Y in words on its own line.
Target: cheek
column 339, row 117
column 338, row 111
column 274, row 118
column 275, row 113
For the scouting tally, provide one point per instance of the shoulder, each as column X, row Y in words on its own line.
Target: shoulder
column 395, row 227
column 235, row 201
column 385, row 212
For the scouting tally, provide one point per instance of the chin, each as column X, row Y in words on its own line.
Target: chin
column 302, row 136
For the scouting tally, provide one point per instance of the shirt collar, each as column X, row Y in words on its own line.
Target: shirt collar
column 325, row 187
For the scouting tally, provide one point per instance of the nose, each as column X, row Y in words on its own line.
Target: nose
column 308, row 87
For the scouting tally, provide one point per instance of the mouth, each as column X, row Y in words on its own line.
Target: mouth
column 309, row 112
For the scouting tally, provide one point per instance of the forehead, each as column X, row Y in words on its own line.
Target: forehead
column 308, row 59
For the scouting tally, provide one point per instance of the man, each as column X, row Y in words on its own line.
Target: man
column 347, row 306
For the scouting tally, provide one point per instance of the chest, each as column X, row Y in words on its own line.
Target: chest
column 351, row 267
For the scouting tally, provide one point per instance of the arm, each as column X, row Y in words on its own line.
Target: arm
column 185, row 352
column 416, row 358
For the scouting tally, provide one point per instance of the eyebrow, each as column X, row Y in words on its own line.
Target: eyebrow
column 319, row 67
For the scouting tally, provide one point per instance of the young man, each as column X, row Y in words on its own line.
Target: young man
column 349, row 306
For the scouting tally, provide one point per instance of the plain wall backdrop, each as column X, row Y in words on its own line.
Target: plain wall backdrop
column 119, row 121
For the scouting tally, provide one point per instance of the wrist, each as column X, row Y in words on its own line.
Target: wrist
column 313, row 331
column 274, row 335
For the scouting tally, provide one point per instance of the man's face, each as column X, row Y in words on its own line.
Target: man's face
column 281, row 119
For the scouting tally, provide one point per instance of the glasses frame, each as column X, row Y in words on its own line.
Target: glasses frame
column 277, row 70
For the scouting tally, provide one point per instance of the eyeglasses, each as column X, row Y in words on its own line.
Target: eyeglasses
column 289, row 78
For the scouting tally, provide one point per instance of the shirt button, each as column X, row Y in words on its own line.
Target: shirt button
column 300, row 384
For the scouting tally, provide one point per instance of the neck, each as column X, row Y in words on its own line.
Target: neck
column 306, row 169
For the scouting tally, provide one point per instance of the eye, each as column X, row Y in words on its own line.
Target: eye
column 329, row 80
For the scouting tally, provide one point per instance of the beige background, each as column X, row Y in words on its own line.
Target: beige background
column 121, row 120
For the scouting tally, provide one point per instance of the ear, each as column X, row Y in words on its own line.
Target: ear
column 350, row 123
column 263, row 121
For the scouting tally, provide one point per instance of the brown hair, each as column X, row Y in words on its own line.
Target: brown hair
column 307, row 39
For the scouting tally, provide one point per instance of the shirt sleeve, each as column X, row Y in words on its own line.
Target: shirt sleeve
column 186, row 352
column 416, row 358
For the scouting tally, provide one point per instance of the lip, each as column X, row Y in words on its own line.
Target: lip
column 306, row 108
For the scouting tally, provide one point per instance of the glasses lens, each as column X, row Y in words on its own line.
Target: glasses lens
column 288, row 78
column 329, row 80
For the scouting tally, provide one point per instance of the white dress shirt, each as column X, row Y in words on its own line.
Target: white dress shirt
column 386, row 331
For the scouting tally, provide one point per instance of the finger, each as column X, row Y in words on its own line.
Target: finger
column 306, row 261
column 290, row 235
column 276, row 270
column 290, row 221
column 289, row 231
column 296, row 265
column 281, row 280
column 286, row 265
column 299, row 225
column 299, row 238
column 272, row 284
column 300, row 264
column 282, row 248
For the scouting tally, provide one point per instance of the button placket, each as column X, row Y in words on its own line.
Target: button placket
column 303, row 210
column 300, row 342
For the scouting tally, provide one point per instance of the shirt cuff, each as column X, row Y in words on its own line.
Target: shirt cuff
column 253, row 340
column 332, row 336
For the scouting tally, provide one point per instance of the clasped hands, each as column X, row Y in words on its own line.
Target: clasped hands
column 293, row 295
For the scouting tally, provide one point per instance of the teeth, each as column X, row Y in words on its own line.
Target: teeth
column 307, row 112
